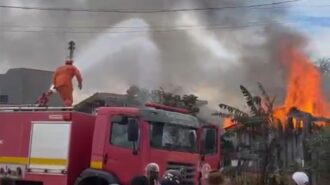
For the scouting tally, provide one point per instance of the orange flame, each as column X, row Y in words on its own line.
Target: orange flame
column 227, row 123
column 303, row 87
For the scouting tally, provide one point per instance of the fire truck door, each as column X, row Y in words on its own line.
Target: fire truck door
column 120, row 156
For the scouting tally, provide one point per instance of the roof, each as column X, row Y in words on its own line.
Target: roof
column 102, row 96
column 200, row 103
column 27, row 70
column 26, row 86
column 101, row 99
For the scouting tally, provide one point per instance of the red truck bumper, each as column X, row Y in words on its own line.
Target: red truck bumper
column 47, row 179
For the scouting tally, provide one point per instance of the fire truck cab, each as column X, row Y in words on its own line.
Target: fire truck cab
column 63, row 147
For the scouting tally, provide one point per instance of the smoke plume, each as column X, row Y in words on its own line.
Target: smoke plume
column 209, row 53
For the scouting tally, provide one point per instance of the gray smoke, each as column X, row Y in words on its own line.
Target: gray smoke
column 211, row 56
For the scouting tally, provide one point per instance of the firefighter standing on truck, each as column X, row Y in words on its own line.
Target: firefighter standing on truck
column 62, row 79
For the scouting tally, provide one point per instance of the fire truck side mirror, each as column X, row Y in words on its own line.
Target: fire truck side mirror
column 133, row 130
column 208, row 142
column 210, row 139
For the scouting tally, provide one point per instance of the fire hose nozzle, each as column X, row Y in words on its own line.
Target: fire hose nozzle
column 52, row 89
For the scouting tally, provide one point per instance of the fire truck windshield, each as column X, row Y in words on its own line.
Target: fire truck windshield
column 172, row 137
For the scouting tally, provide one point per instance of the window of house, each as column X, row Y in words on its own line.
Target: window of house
column 4, row 99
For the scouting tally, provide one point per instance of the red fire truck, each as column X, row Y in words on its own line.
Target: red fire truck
column 58, row 146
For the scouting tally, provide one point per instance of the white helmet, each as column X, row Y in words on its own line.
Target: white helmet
column 152, row 167
column 300, row 178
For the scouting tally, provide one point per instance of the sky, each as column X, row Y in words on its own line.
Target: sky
column 205, row 57
column 312, row 17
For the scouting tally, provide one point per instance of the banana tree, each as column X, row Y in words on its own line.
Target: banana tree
column 258, row 124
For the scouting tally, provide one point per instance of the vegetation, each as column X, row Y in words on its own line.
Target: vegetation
column 257, row 123
column 319, row 144
column 323, row 64
column 136, row 95
column 268, row 142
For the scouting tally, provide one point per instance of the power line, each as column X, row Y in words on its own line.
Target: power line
column 145, row 11
column 72, row 27
column 3, row 29
column 118, row 27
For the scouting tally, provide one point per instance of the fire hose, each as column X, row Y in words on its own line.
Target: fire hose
column 43, row 100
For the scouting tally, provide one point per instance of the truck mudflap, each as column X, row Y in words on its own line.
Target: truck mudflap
column 96, row 174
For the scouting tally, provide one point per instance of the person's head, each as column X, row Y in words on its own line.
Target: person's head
column 140, row 180
column 171, row 177
column 152, row 172
column 69, row 62
column 300, row 178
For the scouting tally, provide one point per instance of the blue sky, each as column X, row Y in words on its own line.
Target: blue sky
column 312, row 17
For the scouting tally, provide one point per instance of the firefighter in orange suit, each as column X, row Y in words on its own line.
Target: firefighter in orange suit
column 62, row 81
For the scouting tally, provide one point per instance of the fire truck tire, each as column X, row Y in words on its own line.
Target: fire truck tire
column 96, row 177
column 7, row 181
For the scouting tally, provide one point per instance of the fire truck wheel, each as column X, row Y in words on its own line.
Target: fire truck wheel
column 95, row 177
column 93, row 181
column 7, row 181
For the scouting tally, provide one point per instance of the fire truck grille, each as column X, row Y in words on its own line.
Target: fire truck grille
column 187, row 169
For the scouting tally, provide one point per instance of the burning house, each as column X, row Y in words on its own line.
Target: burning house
column 273, row 138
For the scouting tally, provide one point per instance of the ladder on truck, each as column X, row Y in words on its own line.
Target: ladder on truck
column 13, row 108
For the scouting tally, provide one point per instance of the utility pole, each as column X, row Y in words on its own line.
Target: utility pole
column 72, row 47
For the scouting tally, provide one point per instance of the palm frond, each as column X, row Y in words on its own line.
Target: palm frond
column 233, row 110
column 249, row 100
column 222, row 115
column 257, row 100
column 272, row 102
column 264, row 93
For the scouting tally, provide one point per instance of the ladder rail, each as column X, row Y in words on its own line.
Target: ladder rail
column 32, row 108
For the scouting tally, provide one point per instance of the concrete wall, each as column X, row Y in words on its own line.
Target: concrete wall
column 24, row 86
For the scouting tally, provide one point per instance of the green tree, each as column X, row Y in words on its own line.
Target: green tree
column 187, row 101
column 323, row 64
column 138, row 96
column 190, row 103
column 319, row 144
